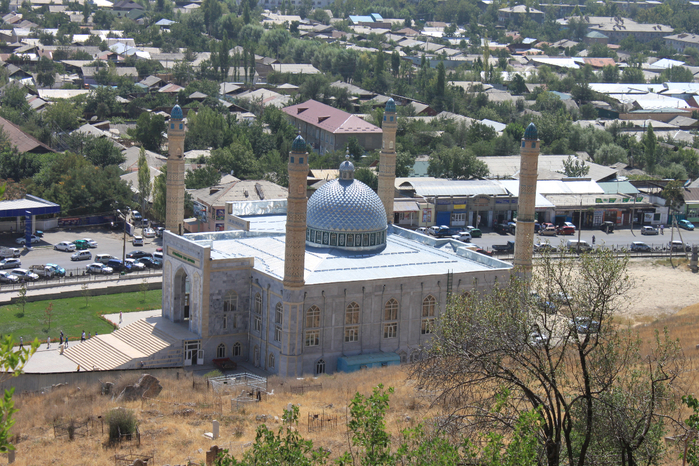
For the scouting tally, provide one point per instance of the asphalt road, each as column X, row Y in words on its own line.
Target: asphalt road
column 108, row 242
column 619, row 238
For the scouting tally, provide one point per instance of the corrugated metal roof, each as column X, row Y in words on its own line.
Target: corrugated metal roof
column 618, row 187
column 507, row 166
column 429, row 187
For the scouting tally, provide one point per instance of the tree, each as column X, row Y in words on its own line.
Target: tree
column 632, row 74
column 456, row 163
column 237, row 159
column 202, row 177
column 22, row 296
column 609, row 154
column 367, row 177
column 144, row 182
column 650, row 148
column 497, row 353
column 610, row 74
column 160, row 194
column 575, row 168
column 12, row 362
column 355, row 149
column 101, row 152
column 518, row 86
column 48, row 312
column 149, row 131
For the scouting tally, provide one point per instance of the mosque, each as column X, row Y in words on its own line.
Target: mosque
column 340, row 286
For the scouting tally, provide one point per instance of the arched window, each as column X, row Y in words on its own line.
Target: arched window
column 237, row 349
column 312, row 337
column 270, row 363
column 278, row 314
column 351, row 321
column 221, row 351
column 313, row 317
column 320, row 367
column 230, row 302
column 391, row 310
column 258, row 303
column 428, row 305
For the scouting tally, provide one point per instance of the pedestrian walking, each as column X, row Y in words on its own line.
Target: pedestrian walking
column 121, row 317
column 60, row 338
column 21, row 343
column 593, row 240
column 48, row 342
column 88, row 335
column 662, row 227
column 66, row 342
column 82, row 338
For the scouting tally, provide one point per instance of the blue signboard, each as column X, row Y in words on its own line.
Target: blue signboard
column 28, row 229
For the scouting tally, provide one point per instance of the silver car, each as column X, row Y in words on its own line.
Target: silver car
column 25, row 275
column 10, row 263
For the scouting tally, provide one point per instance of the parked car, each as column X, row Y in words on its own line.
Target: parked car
column 512, row 226
column 584, row 325
column 566, row 229
column 502, row 228
column 537, row 338
column 42, row 271
column 7, row 277
column 537, row 227
column 440, row 231
column 504, row 248
column 138, row 254
column 639, row 246
column 103, row 258
column 100, row 268
column 136, row 215
column 686, row 224
column 23, row 240
column 649, row 230
column 81, row 256
column 9, row 252
column 149, row 233
column 151, row 262
column 607, row 227
column 90, row 242
column 575, row 245
column 544, row 247
column 158, row 255
column 135, row 265
column 475, row 232
column 25, row 275
column 548, row 229
column 10, row 263
column 464, row 236
column 64, row 246
column 137, row 241
column 57, row 269
column 679, row 246
column 421, row 230
column 118, row 266
column 159, row 232
column 81, row 244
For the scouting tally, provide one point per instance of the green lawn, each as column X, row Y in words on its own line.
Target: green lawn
column 71, row 315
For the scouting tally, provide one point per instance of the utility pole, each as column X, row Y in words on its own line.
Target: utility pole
column 579, row 226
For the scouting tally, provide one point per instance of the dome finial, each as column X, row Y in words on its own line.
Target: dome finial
column 347, row 167
column 347, row 154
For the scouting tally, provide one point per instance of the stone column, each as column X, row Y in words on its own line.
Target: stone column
column 526, row 208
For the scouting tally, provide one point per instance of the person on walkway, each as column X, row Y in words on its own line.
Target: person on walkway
column 82, row 338
column 60, row 338
column 662, row 227
column 88, row 335
column 66, row 342
column 121, row 317
column 21, row 343
column 48, row 342
column 593, row 240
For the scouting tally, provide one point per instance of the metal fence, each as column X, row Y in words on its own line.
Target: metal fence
column 77, row 276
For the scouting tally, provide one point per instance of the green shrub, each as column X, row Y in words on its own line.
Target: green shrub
column 121, row 421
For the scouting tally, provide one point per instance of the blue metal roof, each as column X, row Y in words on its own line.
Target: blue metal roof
column 531, row 133
column 346, row 205
column 33, row 204
column 299, row 145
column 176, row 113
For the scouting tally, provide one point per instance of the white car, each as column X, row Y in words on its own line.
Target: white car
column 464, row 236
column 90, row 242
column 135, row 265
column 7, row 277
column 138, row 240
column 10, row 263
column 99, row 268
column 64, row 246
column 149, row 233
column 23, row 240
column 25, row 275
column 649, row 230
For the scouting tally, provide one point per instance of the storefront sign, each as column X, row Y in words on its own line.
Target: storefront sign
column 613, row 200
column 183, row 257
column 459, row 206
column 480, row 202
column 427, row 216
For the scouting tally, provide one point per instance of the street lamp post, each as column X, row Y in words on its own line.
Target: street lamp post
column 123, row 250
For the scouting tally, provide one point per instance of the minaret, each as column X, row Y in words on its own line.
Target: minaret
column 174, row 211
column 526, row 208
column 387, row 161
column 296, row 216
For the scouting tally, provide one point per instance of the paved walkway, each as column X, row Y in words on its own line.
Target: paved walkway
column 131, row 317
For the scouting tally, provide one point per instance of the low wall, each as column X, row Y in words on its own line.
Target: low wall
column 37, row 382
column 99, row 291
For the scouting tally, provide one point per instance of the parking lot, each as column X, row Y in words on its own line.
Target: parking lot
column 108, row 242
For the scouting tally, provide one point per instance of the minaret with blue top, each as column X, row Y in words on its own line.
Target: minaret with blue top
column 174, row 211
column 387, row 159
column 297, row 202
column 526, row 207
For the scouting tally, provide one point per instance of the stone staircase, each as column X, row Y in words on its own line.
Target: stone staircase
column 139, row 344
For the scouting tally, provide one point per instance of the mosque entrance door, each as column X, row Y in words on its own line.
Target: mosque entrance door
column 193, row 354
column 182, row 288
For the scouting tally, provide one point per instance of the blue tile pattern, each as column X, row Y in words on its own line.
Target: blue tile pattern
column 391, row 105
column 176, row 113
column 299, row 145
column 346, row 205
column 531, row 133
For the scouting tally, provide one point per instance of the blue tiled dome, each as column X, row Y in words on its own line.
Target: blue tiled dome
column 342, row 210
column 176, row 113
column 391, row 105
column 299, row 144
column 531, row 133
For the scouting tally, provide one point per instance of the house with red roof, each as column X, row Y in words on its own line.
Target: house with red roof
column 329, row 129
